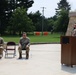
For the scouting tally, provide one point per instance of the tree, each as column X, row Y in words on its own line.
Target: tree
column 63, row 4
column 62, row 15
column 37, row 20
column 20, row 22
column 62, row 22
column 25, row 3
column 3, row 5
column 50, row 24
column 6, row 9
column 13, row 4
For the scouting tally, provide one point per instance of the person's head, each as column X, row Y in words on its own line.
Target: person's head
column 24, row 35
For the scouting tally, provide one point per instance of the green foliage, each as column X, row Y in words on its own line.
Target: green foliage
column 25, row 3
column 50, row 24
column 6, row 9
column 62, row 16
column 63, row 4
column 3, row 6
column 20, row 22
column 62, row 22
column 37, row 20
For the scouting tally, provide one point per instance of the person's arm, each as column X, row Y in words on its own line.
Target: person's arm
column 20, row 43
column 28, row 43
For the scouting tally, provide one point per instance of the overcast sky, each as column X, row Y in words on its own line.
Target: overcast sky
column 50, row 6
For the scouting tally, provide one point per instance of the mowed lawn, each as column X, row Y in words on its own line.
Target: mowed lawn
column 51, row 38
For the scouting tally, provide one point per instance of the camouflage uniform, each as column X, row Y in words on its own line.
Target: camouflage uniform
column 1, row 47
column 74, row 32
column 24, row 44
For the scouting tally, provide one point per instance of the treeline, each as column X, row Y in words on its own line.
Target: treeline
column 14, row 18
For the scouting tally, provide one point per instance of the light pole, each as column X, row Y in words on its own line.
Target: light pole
column 43, row 19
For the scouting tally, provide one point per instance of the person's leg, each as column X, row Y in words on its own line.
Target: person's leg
column 1, row 53
column 20, row 52
column 27, row 52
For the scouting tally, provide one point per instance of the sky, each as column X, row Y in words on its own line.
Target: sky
column 50, row 6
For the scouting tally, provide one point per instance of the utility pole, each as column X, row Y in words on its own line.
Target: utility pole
column 42, row 19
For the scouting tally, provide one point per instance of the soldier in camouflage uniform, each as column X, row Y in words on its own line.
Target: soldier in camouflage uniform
column 24, row 44
column 1, row 47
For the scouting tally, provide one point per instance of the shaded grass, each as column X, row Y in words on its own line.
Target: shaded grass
column 34, row 39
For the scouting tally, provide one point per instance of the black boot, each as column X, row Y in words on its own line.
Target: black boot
column 20, row 55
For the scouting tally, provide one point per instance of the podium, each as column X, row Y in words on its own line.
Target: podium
column 68, row 50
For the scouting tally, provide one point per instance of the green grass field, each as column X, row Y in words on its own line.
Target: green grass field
column 36, row 39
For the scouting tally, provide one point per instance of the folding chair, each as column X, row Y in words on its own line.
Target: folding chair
column 25, row 53
column 10, row 47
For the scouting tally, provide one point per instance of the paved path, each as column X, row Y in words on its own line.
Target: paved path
column 44, row 60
